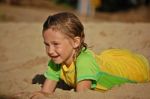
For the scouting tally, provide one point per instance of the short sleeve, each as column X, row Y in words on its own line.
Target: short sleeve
column 53, row 71
column 87, row 67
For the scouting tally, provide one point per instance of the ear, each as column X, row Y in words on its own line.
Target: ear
column 77, row 41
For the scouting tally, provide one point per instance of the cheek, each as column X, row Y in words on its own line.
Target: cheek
column 64, row 50
column 46, row 49
column 59, row 50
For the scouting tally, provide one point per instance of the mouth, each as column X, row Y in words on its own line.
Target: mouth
column 54, row 57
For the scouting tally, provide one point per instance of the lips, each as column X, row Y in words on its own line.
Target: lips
column 54, row 57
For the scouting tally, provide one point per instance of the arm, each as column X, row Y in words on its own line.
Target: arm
column 49, row 86
column 83, row 85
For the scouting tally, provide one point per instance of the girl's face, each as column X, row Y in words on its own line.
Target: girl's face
column 59, row 47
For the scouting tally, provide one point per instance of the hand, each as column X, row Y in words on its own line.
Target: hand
column 39, row 95
column 21, row 95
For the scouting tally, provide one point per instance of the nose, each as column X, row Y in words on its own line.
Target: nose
column 50, row 50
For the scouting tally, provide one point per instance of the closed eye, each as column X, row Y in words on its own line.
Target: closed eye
column 46, row 44
column 56, row 43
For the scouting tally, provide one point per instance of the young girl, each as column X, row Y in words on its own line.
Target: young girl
column 79, row 67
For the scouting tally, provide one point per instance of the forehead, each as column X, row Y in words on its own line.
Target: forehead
column 53, row 34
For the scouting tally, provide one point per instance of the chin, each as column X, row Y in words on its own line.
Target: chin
column 57, row 61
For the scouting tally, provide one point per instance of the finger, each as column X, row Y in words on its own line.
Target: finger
column 18, row 94
column 37, row 94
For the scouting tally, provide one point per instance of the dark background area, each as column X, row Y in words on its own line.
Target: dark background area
column 109, row 10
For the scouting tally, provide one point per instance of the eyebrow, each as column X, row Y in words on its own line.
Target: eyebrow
column 52, row 42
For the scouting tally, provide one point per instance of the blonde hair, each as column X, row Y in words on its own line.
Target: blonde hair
column 69, row 24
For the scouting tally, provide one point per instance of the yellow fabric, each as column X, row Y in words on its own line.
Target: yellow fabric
column 68, row 74
column 100, row 88
column 125, row 64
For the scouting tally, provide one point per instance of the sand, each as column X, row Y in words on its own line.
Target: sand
column 22, row 57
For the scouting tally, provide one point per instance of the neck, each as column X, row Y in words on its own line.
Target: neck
column 69, row 61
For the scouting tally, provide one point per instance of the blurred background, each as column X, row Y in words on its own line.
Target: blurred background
column 98, row 10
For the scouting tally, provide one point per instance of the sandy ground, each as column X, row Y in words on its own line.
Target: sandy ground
column 22, row 56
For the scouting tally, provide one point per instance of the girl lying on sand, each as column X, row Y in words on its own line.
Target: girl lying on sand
column 79, row 67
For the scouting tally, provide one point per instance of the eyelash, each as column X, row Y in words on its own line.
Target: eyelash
column 46, row 44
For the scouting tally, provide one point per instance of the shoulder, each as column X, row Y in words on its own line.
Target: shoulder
column 53, row 71
column 86, row 59
column 85, row 54
column 86, row 66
